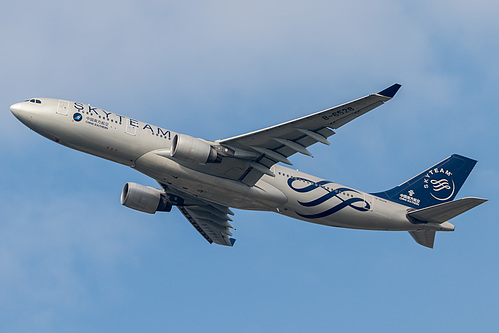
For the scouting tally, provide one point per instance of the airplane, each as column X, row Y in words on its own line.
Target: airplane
column 204, row 179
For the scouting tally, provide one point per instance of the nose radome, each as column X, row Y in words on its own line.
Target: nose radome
column 16, row 109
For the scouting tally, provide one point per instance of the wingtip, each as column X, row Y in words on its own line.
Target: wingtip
column 390, row 91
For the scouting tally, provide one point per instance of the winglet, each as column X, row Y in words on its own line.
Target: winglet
column 390, row 91
column 232, row 241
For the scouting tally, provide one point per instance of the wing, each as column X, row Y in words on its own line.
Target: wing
column 211, row 220
column 208, row 222
column 246, row 158
column 262, row 149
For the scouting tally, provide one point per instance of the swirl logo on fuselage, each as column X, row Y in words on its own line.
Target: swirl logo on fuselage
column 77, row 116
column 342, row 197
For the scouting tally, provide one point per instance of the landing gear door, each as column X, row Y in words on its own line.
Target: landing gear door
column 62, row 108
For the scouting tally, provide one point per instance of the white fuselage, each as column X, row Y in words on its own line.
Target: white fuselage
column 144, row 146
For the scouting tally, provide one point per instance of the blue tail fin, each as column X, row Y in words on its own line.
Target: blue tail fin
column 438, row 184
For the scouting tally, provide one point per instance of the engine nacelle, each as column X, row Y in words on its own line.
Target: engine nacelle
column 144, row 198
column 192, row 150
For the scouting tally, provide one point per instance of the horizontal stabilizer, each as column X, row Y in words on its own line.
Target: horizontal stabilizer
column 445, row 211
column 424, row 237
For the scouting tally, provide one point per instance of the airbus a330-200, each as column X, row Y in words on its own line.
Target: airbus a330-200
column 204, row 179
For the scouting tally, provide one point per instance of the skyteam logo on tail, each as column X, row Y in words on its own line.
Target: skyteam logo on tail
column 434, row 186
column 440, row 184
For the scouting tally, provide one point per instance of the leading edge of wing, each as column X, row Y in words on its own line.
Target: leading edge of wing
column 263, row 148
column 383, row 96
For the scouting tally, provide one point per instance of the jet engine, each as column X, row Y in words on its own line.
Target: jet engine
column 144, row 198
column 192, row 150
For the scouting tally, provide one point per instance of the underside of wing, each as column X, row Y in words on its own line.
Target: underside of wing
column 208, row 222
column 211, row 220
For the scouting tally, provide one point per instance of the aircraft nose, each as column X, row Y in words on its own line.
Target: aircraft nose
column 16, row 109
column 22, row 113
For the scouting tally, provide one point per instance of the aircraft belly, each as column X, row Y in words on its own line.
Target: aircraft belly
column 371, row 222
column 262, row 196
column 348, row 217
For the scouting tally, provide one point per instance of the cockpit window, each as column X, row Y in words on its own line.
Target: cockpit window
column 37, row 101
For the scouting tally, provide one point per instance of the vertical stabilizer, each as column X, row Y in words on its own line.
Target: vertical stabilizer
column 436, row 185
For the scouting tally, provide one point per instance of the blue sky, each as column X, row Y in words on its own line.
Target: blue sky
column 72, row 259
